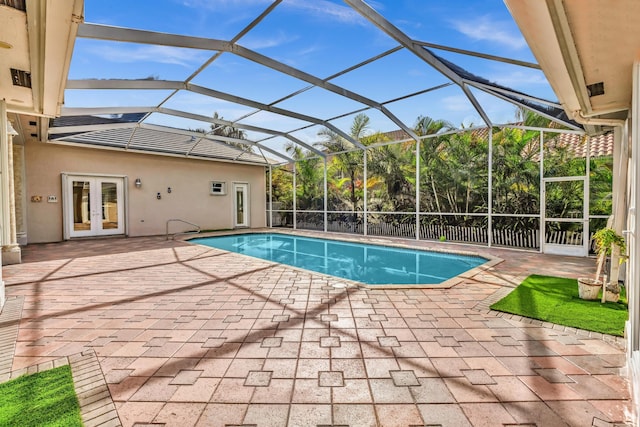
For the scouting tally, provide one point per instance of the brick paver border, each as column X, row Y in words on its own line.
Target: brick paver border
column 9, row 323
column 96, row 406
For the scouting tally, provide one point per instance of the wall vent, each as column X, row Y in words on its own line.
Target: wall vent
column 596, row 89
column 16, row 4
column 21, row 78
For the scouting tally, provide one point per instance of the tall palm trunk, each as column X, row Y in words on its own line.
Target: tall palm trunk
column 435, row 196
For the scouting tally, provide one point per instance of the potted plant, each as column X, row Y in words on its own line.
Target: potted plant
column 605, row 239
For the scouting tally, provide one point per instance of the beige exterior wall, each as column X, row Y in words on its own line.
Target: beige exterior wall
column 188, row 179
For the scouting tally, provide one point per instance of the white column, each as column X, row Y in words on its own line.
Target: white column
column 619, row 186
column 10, row 248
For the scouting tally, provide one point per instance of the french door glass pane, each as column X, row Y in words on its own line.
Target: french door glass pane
column 81, row 206
column 109, row 206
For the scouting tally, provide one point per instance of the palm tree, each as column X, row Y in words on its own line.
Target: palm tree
column 349, row 160
column 229, row 131
column 395, row 166
column 430, row 159
column 308, row 174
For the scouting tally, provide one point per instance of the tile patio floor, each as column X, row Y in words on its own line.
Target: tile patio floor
column 191, row 336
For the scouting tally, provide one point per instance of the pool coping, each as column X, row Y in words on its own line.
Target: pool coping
column 373, row 240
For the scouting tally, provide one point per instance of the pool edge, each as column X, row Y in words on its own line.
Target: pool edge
column 374, row 240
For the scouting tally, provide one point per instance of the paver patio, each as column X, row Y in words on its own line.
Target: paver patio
column 192, row 336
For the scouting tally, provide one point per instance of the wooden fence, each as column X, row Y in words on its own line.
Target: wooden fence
column 526, row 239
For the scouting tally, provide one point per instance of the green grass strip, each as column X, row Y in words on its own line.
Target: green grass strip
column 47, row 398
column 555, row 300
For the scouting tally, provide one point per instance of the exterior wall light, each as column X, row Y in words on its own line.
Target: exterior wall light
column 138, row 183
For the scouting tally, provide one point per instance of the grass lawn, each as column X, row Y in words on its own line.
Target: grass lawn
column 43, row 399
column 555, row 300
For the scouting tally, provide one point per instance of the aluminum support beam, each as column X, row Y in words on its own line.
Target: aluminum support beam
column 479, row 55
column 213, row 138
column 392, row 31
column 270, row 196
column 325, row 201
column 498, row 94
column 176, row 85
column 149, row 37
column 202, row 118
column 131, row 35
column 490, row 191
column 178, row 113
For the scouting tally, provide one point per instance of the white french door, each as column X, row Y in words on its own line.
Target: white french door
column 94, row 205
column 240, row 204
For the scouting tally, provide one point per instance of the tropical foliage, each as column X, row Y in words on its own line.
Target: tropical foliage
column 453, row 173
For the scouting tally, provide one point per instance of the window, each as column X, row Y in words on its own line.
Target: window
column 218, row 188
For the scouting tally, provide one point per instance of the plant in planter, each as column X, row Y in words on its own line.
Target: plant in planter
column 605, row 240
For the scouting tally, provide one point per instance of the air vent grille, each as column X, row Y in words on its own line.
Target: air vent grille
column 21, row 78
column 16, row 4
column 596, row 89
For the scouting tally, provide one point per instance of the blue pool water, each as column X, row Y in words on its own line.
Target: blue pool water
column 366, row 263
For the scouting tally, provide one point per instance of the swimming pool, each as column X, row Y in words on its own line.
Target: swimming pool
column 366, row 263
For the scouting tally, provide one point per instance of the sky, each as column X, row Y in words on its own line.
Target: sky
column 319, row 37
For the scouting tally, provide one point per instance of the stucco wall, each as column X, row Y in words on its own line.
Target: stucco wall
column 188, row 178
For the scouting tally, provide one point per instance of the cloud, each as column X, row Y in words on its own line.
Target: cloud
column 318, row 8
column 222, row 4
column 485, row 28
column 456, row 103
column 519, row 78
column 157, row 54
column 275, row 40
column 327, row 9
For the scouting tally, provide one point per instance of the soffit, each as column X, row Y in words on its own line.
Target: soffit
column 582, row 42
column 13, row 33
column 607, row 37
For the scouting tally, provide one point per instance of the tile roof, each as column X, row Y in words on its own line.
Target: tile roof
column 599, row 146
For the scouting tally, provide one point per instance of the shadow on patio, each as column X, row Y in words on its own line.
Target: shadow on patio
column 186, row 335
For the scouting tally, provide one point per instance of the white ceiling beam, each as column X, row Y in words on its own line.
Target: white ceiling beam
column 90, row 128
column 117, row 84
column 98, row 111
